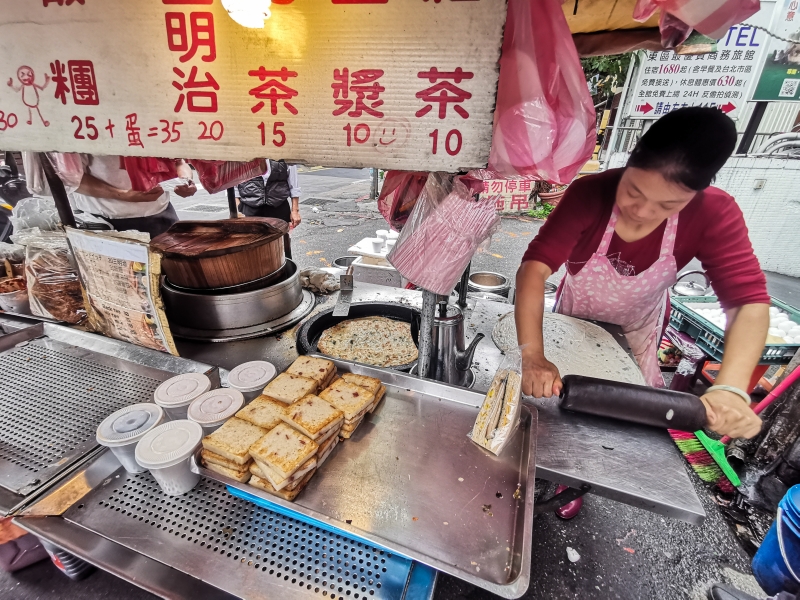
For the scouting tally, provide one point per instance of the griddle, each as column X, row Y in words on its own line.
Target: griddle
column 308, row 335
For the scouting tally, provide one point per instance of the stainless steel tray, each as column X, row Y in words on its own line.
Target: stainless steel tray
column 56, row 386
column 410, row 481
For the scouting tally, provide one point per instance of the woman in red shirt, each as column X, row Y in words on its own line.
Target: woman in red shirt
column 625, row 233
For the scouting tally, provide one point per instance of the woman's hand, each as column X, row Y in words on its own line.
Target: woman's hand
column 729, row 414
column 540, row 377
column 295, row 218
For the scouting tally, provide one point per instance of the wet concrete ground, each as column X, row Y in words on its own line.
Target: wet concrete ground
column 625, row 552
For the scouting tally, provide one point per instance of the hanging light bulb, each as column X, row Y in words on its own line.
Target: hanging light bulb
column 248, row 13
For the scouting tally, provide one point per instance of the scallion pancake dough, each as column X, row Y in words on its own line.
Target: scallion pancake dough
column 575, row 347
column 374, row 341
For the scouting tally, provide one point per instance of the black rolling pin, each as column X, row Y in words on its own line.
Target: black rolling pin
column 634, row 403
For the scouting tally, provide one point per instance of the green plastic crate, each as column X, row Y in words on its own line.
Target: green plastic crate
column 712, row 339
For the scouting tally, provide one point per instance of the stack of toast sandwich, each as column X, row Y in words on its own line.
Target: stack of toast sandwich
column 279, row 440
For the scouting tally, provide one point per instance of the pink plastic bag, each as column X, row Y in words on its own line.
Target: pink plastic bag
column 710, row 17
column 146, row 173
column 442, row 234
column 218, row 175
column 399, row 195
column 545, row 120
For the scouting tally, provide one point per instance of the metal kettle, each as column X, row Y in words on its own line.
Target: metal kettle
column 691, row 288
column 450, row 360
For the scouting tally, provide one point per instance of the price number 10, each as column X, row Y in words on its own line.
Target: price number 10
column 452, row 142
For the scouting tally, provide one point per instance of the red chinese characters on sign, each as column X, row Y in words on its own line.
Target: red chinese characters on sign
column 59, row 70
column 444, row 91
column 190, row 92
column 84, row 83
column 134, row 132
column 357, row 92
column 519, row 202
column 199, row 34
column 273, row 90
column 81, row 78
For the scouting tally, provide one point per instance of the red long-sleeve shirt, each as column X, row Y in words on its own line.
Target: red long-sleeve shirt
column 711, row 228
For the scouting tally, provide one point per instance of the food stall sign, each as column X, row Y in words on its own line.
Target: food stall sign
column 395, row 84
column 779, row 77
column 723, row 79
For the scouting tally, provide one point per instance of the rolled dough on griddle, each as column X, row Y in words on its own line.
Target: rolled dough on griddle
column 575, row 347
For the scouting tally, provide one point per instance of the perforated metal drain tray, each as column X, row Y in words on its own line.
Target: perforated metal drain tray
column 233, row 545
column 56, row 386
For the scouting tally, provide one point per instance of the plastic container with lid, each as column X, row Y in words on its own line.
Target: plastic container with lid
column 251, row 378
column 166, row 452
column 213, row 408
column 177, row 393
column 122, row 430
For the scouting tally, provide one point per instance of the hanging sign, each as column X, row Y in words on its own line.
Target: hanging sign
column 779, row 78
column 401, row 84
column 723, row 79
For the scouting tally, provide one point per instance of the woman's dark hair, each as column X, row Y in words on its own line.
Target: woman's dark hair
column 687, row 146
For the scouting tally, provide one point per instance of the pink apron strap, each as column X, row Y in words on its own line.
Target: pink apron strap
column 670, row 233
column 602, row 249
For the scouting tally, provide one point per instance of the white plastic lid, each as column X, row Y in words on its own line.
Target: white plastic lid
column 181, row 390
column 251, row 376
column 168, row 444
column 215, row 406
column 128, row 425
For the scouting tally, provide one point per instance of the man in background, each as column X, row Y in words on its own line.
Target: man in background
column 275, row 194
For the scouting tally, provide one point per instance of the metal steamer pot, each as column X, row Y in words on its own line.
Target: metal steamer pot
column 223, row 311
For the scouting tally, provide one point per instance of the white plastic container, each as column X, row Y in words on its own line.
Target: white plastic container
column 177, row 393
column 122, row 430
column 382, row 233
column 377, row 244
column 393, row 235
column 166, row 452
column 213, row 408
column 251, row 378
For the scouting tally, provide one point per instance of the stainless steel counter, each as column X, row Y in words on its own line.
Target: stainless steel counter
column 628, row 463
column 121, row 522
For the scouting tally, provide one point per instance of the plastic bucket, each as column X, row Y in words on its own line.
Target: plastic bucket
column 776, row 565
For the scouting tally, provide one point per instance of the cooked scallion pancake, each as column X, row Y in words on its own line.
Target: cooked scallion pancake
column 373, row 340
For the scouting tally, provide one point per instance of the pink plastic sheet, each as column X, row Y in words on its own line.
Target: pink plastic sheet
column 545, row 120
column 710, row 17
column 218, row 175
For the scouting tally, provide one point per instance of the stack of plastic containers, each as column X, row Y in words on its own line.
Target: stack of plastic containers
column 166, row 452
column 213, row 408
column 177, row 393
column 251, row 378
column 122, row 430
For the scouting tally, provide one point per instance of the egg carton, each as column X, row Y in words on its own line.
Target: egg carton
column 703, row 319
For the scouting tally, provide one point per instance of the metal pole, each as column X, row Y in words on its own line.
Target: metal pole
column 752, row 127
column 463, row 286
column 429, row 301
column 373, row 190
column 59, row 192
column 234, row 212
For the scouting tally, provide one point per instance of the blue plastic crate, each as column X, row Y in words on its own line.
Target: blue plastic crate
column 712, row 339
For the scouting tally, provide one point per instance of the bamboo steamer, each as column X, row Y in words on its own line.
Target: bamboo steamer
column 214, row 254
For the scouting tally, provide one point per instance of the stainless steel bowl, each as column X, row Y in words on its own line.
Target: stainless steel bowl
column 486, row 281
column 206, row 311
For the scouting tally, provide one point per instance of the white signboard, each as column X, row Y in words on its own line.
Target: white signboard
column 389, row 83
column 668, row 81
